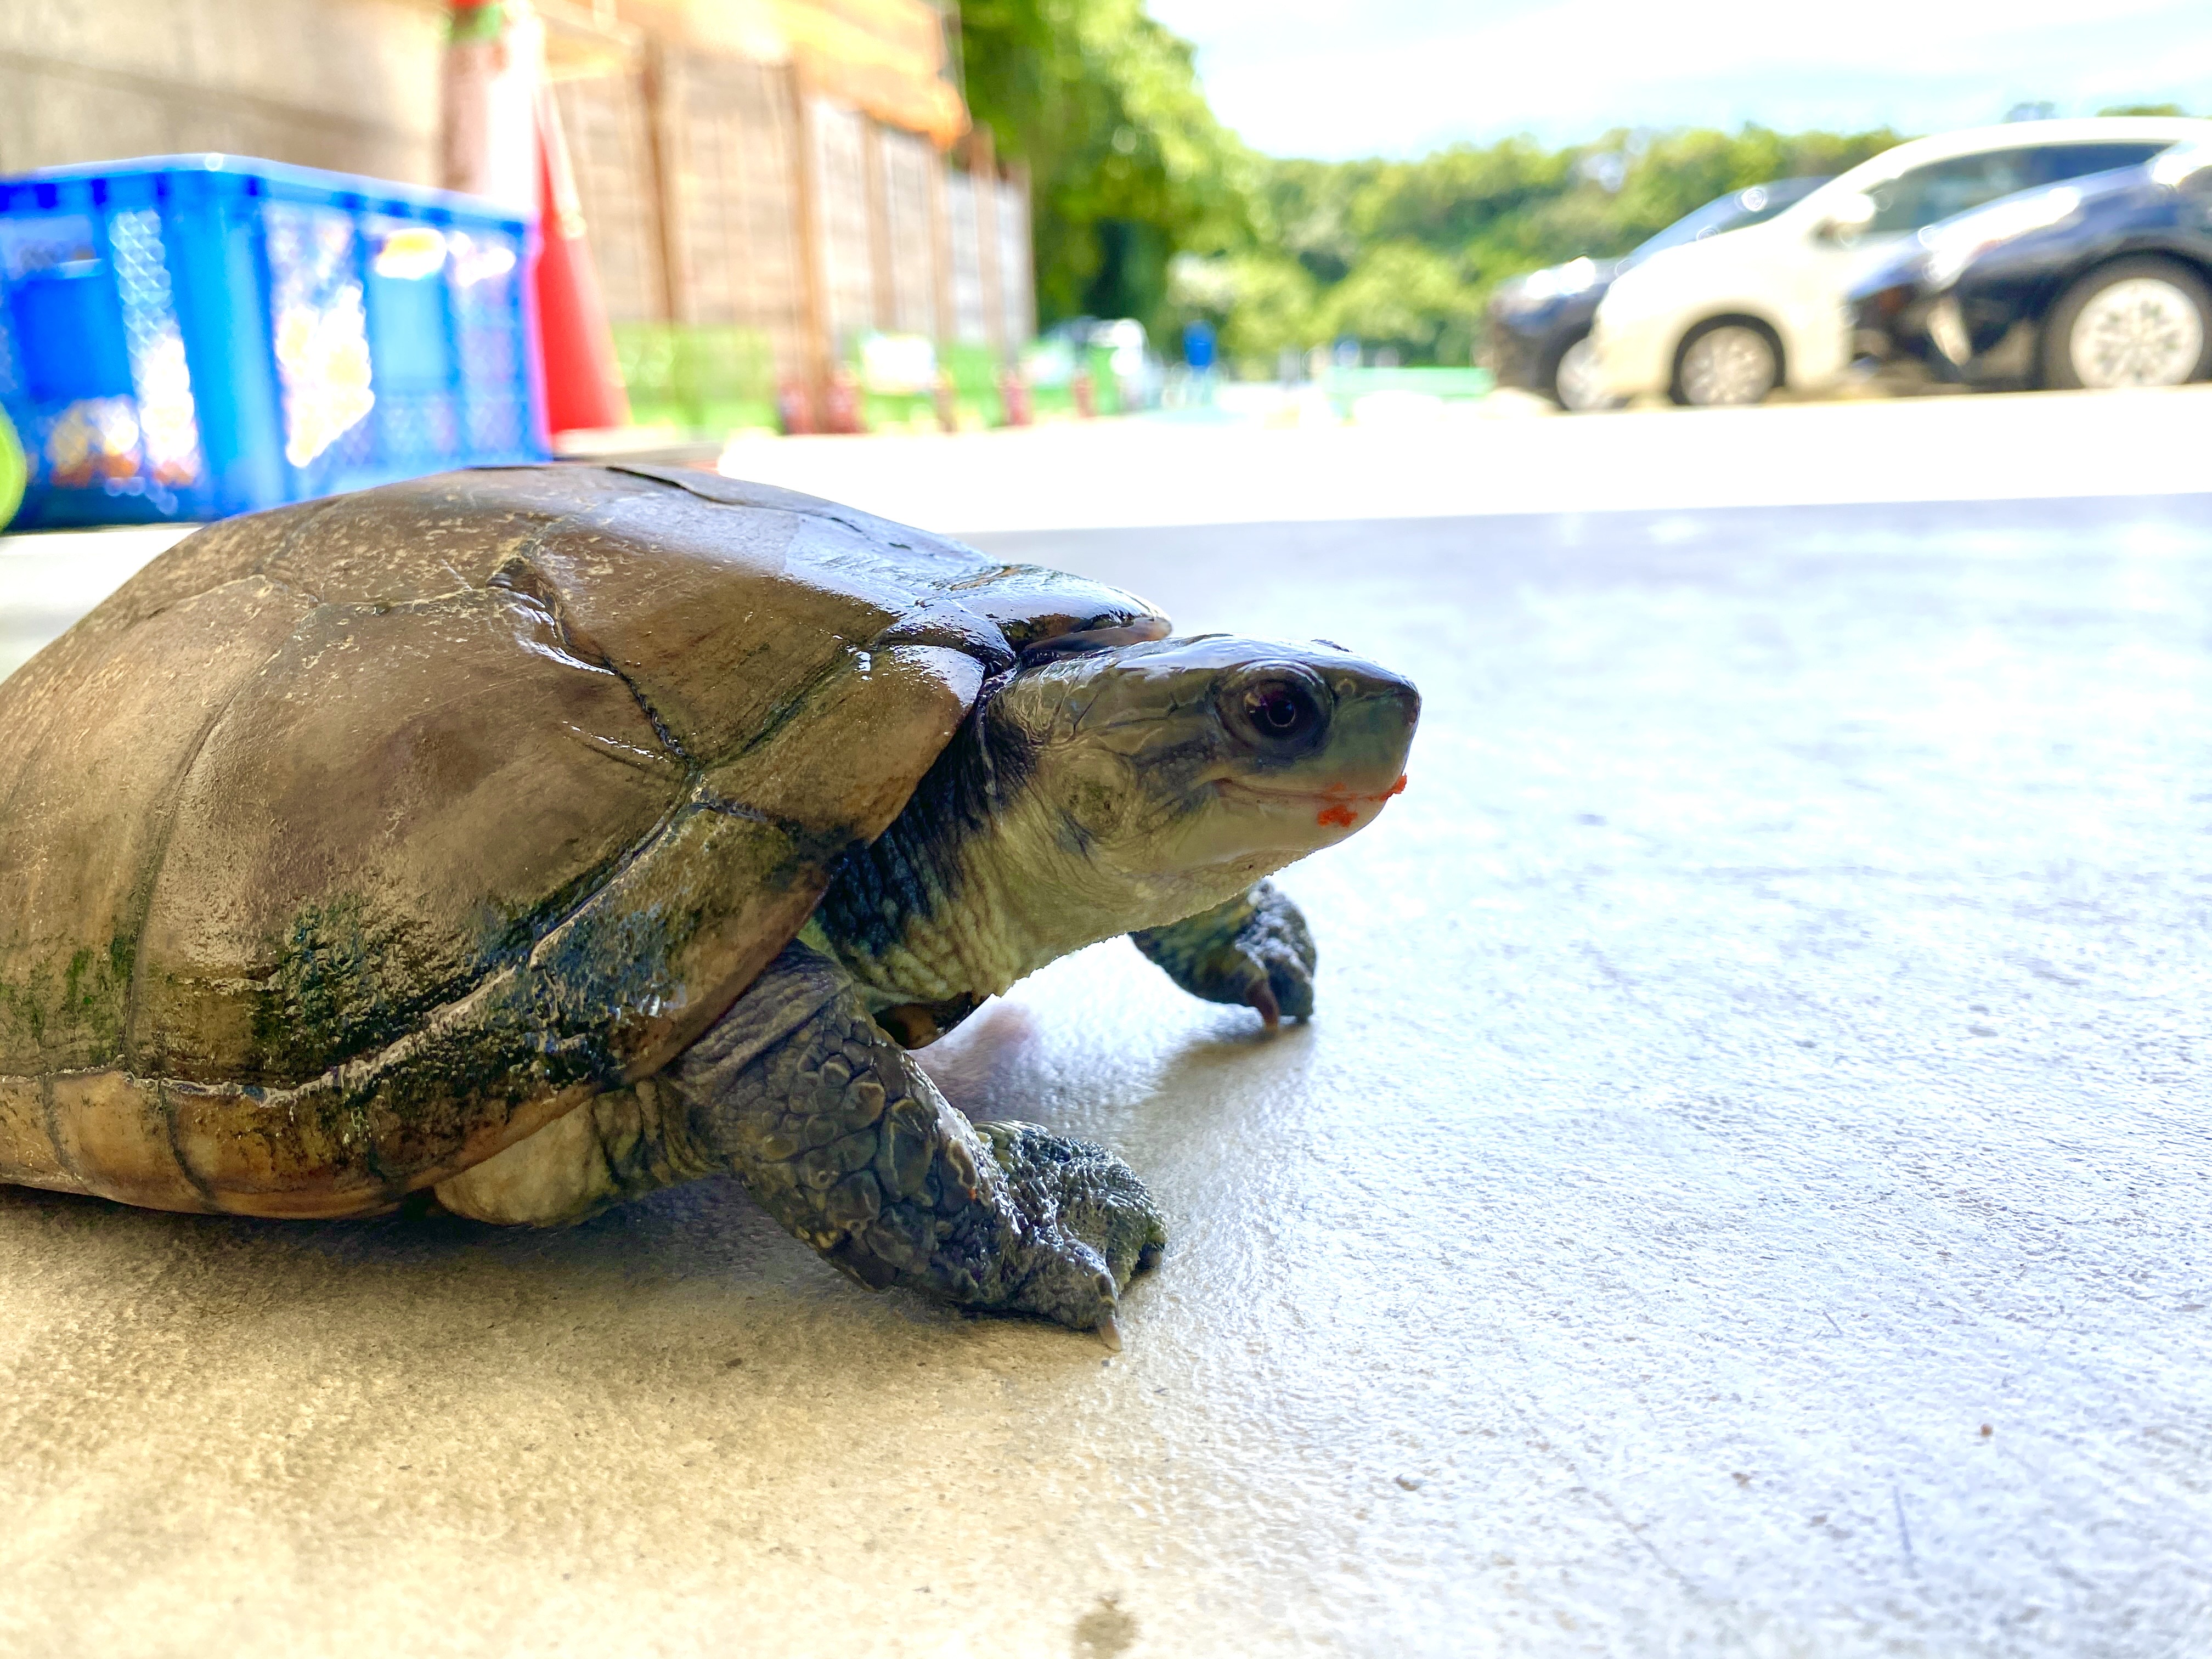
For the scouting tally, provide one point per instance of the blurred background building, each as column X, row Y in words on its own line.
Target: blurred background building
column 346, row 84
column 766, row 183
column 770, row 183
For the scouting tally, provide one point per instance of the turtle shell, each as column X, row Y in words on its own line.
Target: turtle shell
column 348, row 844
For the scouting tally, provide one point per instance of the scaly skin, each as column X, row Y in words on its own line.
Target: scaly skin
column 846, row 1141
column 1254, row 949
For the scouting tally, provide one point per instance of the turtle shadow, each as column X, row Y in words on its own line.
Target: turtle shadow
column 468, row 1330
column 1006, row 1056
column 998, row 1059
column 702, row 1256
column 1177, row 1089
column 419, row 1235
column 706, row 1233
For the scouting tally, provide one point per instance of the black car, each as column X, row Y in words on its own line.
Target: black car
column 2104, row 281
column 1537, row 321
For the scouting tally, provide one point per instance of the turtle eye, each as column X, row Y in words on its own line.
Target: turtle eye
column 1278, row 714
column 1277, row 709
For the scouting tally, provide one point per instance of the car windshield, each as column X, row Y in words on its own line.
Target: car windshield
column 1952, row 184
column 1732, row 211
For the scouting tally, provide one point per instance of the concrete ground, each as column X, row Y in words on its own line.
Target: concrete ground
column 1746, row 1192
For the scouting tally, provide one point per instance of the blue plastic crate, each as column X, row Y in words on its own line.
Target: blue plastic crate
column 189, row 336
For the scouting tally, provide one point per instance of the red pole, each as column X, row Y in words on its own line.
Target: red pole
column 583, row 383
column 502, row 140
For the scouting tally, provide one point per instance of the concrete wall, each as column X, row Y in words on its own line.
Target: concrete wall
column 350, row 84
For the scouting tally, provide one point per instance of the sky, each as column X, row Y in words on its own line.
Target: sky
column 1341, row 78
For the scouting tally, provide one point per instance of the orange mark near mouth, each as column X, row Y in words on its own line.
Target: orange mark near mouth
column 1342, row 816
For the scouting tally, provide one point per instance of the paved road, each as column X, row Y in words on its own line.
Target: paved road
column 1746, row 1193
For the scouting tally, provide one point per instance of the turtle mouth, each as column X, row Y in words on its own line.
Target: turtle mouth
column 1339, row 806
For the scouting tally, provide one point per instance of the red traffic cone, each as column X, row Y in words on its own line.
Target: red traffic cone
column 583, row 383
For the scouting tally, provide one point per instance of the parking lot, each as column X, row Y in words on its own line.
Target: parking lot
column 1744, row 1191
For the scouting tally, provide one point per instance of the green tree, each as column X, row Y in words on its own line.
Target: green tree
column 1406, row 253
column 1408, row 298
column 1129, row 167
column 1264, row 303
column 1145, row 206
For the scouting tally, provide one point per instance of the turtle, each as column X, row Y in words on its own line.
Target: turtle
column 536, row 837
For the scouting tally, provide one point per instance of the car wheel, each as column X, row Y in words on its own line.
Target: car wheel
column 1576, row 385
column 1726, row 364
column 2134, row 322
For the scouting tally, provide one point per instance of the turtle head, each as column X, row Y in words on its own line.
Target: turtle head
column 1107, row 783
column 1192, row 766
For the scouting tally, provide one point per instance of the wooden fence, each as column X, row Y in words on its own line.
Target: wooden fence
column 718, row 192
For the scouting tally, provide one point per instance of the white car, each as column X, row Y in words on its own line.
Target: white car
column 1728, row 320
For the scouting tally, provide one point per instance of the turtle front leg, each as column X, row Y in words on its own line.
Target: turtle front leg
column 1254, row 949
column 849, row 1143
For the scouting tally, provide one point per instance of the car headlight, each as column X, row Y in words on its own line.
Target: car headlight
column 1954, row 246
column 1575, row 276
column 1553, row 283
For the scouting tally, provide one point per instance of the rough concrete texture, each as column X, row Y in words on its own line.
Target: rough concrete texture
column 1744, row 1192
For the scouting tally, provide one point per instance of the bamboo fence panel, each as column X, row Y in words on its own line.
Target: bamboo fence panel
column 908, row 164
column 971, row 324
column 611, row 151
column 730, row 198
column 845, row 246
column 1018, row 304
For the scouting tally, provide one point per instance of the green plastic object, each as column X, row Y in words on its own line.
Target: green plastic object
column 974, row 372
column 12, row 472
column 703, row 379
column 1343, row 386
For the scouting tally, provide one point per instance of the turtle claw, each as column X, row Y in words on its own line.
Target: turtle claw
column 1256, row 950
column 1107, row 1331
column 1262, row 997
